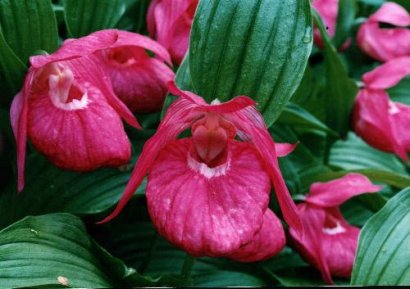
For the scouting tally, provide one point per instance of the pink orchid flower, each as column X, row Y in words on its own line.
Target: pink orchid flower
column 329, row 243
column 208, row 193
column 68, row 110
column 382, row 123
column 385, row 44
column 169, row 22
column 139, row 80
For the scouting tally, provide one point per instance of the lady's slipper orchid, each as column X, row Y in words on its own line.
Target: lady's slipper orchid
column 169, row 22
column 139, row 80
column 68, row 109
column 386, row 43
column 382, row 123
column 329, row 243
column 209, row 193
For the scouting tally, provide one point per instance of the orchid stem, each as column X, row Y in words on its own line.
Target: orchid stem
column 187, row 266
column 148, row 257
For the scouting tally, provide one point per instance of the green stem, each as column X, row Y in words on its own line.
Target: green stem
column 148, row 257
column 187, row 266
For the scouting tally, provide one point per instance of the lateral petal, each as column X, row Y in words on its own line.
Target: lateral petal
column 336, row 192
column 388, row 74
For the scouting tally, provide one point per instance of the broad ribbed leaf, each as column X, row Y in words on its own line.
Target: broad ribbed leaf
column 255, row 48
column 340, row 89
column 12, row 71
column 299, row 118
column 84, row 17
column 355, row 154
column 49, row 189
column 55, row 250
column 132, row 238
column 383, row 255
column 28, row 26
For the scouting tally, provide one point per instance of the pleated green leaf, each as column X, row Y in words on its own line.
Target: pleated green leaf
column 55, row 250
column 85, row 17
column 354, row 154
column 254, row 48
column 383, row 255
column 12, row 71
column 29, row 26
column 49, row 189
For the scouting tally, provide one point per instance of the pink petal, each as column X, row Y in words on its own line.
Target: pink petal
column 169, row 21
column 235, row 104
column 178, row 118
column 251, row 127
column 400, row 115
column 74, row 48
column 336, row 192
column 371, row 121
column 18, row 117
column 141, row 86
column 130, row 39
column 266, row 243
column 386, row 43
column 207, row 211
column 339, row 243
column 283, row 149
column 90, row 69
column 82, row 138
column 388, row 74
column 328, row 10
column 392, row 13
column 309, row 241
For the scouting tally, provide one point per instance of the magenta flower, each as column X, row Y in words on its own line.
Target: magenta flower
column 139, row 80
column 208, row 193
column 382, row 123
column 329, row 243
column 385, row 44
column 68, row 110
column 169, row 22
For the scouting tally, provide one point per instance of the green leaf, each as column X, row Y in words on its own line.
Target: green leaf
column 29, row 26
column 345, row 20
column 133, row 238
column 400, row 92
column 12, row 71
column 299, row 118
column 340, row 89
column 85, row 17
column 383, row 256
column 55, row 249
column 355, row 154
column 49, row 189
column 254, row 48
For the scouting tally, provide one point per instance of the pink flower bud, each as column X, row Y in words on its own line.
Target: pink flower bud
column 169, row 22
column 385, row 44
